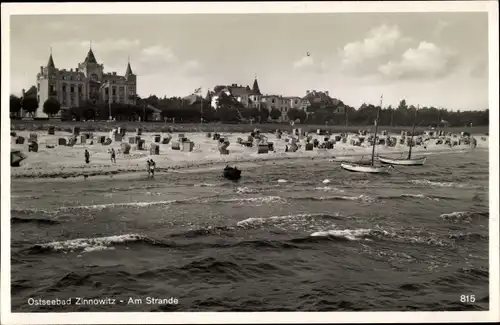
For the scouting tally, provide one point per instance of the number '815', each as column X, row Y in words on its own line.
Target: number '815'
column 467, row 298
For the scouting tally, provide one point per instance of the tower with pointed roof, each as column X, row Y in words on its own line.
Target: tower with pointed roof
column 255, row 88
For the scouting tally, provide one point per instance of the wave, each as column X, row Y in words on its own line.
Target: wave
column 208, row 185
column 328, row 188
column 261, row 200
column 227, row 269
column 416, row 196
column 259, row 221
column 352, row 234
column 362, row 198
column 378, row 234
column 461, row 276
column 25, row 197
column 206, row 231
column 98, row 207
column 86, row 244
column 463, row 216
column 282, row 181
column 17, row 220
column 102, row 206
column 246, row 190
column 470, row 236
column 426, row 182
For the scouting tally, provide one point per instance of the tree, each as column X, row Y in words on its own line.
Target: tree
column 30, row 105
column 263, row 114
column 294, row 114
column 402, row 105
column 15, row 104
column 275, row 114
column 51, row 106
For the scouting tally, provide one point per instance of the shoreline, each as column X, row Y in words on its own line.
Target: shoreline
column 334, row 155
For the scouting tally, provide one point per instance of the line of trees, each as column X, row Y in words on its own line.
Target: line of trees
column 230, row 110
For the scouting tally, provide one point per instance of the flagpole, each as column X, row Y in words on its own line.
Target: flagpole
column 201, row 107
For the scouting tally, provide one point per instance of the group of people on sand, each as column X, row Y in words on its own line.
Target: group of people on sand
column 150, row 163
column 112, row 153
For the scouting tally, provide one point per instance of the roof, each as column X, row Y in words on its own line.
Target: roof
column 129, row 70
column 255, row 88
column 191, row 99
column 318, row 97
column 51, row 64
column 90, row 57
column 239, row 91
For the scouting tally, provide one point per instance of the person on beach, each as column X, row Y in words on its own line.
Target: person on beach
column 113, row 155
column 148, row 167
column 87, row 156
column 152, row 166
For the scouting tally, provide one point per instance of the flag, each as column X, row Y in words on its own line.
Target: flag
column 104, row 85
column 197, row 90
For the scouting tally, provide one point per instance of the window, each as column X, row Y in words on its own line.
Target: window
column 80, row 88
column 106, row 91
column 296, row 101
column 272, row 101
column 38, row 98
column 72, row 88
column 114, row 91
column 38, row 87
column 63, row 88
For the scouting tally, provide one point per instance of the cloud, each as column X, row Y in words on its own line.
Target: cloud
column 479, row 69
column 304, row 62
column 379, row 43
column 102, row 46
column 158, row 53
column 193, row 68
column 425, row 61
column 441, row 26
column 307, row 63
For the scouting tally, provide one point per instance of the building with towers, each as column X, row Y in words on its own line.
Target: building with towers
column 88, row 82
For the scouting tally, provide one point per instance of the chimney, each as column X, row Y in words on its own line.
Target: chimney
column 71, row 70
column 41, row 69
column 76, row 70
column 307, row 92
column 23, row 92
column 234, row 85
column 114, row 73
column 327, row 93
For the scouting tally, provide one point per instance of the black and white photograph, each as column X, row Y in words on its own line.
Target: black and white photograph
column 299, row 158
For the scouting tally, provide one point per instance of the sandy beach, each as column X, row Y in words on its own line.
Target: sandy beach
column 68, row 161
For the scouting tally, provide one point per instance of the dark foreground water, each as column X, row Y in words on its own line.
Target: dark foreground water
column 281, row 239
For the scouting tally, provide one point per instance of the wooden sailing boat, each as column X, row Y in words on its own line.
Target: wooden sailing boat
column 408, row 161
column 371, row 168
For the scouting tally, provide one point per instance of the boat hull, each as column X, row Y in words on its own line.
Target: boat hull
column 403, row 162
column 232, row 174
column 365, row 169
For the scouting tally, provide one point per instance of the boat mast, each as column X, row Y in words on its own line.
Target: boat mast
column 413, row 132
column 376, row 129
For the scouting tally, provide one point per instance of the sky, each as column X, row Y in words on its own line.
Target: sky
column 432, row 58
